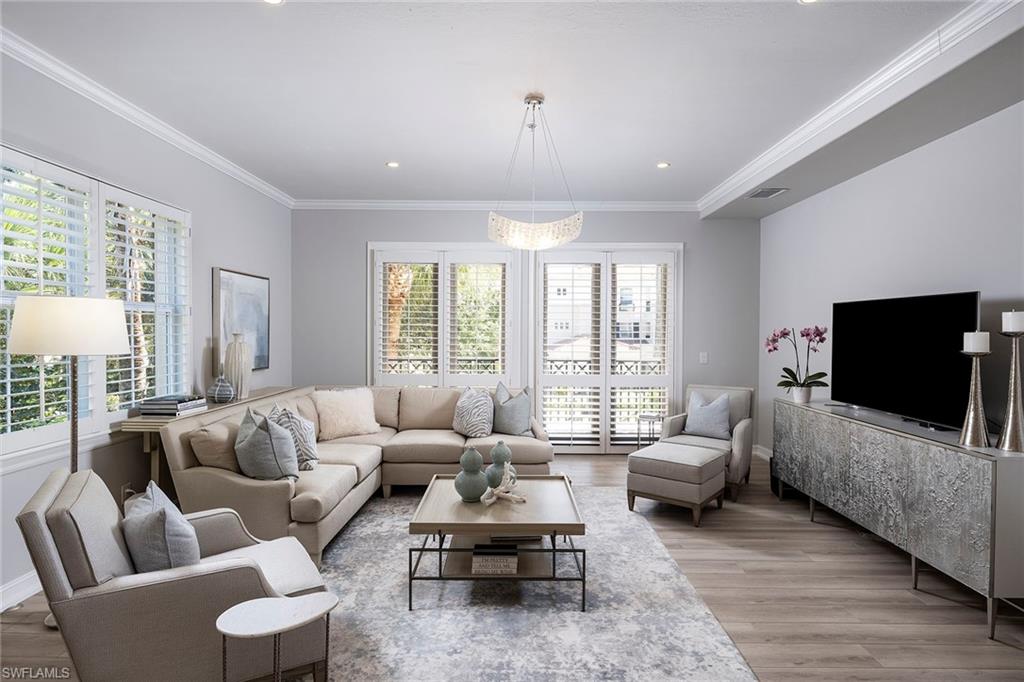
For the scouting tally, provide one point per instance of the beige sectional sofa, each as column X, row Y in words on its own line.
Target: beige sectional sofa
column 415, row 442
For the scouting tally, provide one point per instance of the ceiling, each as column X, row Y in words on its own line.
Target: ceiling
column 314, row 98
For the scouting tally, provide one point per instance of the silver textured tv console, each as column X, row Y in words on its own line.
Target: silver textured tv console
column 960, row 510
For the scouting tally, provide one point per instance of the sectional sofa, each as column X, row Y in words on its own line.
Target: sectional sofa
column 415, row 442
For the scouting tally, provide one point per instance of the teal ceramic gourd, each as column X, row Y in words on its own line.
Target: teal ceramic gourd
column 501, row 456
column 471, row 482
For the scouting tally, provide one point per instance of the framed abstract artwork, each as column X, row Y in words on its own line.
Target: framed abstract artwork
column 241, row 304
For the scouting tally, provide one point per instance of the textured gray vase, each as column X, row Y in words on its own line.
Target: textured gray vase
column 221, row 391
column 471, row 482
column 501, row 456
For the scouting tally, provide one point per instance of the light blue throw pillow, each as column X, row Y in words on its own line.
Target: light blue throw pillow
column 512, row 413
column 265, row 450
column 157, row 534
column 708, row 419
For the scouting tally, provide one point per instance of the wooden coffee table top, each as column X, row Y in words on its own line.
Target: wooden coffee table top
column 549, row 508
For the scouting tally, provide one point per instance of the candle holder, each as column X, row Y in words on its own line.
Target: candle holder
column 974, row 434
column 1012, row 437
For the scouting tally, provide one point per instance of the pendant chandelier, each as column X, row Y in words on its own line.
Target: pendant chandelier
column 534, row 236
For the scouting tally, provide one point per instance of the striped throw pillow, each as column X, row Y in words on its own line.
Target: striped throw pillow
column 303, row 433
column 474, row 414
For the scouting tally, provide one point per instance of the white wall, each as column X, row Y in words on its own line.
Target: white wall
column 948, row 216
column 233, row 226
column 329, row 283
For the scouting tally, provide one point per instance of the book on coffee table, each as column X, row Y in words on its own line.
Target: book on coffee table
column 495, row 559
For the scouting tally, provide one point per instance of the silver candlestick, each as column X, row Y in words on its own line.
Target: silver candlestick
column 974, row 434
column 1012, row 437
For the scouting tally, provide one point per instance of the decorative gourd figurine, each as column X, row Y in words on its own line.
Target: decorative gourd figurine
column 221, row 391
column 501, row 456
column 471, row 482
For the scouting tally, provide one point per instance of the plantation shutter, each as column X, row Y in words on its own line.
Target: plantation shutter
column 146, row 260
column 407, row 320
column 45, row 251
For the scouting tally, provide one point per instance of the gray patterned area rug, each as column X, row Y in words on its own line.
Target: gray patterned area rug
column 644, row 621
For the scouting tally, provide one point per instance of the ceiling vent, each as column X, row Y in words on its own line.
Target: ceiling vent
column 767, row 192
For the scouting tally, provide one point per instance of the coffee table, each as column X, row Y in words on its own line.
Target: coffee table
column 549, row 511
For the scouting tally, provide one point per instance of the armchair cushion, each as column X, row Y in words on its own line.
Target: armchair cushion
column 86, row 527
column 708, row 418
column 284, row 562
column 157, row 534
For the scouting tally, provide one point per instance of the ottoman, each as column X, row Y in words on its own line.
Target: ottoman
column 686, row 475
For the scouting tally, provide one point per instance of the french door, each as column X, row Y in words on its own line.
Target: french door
column 605, row 345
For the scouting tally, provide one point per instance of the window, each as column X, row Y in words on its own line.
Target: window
column 68, row 235
column 441, row 318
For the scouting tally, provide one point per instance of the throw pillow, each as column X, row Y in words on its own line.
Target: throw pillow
column 265, row 450
column 512, row 413
column 303, row 435
column 156, row 532
column 345, row 413
column 708, row 419
column 214, row 445
column 474, row 414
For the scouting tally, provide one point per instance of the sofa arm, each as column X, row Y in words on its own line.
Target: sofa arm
column 742, row 447
column 538, row 429
column 263, row 505
column 219, row 531
column 672, row 426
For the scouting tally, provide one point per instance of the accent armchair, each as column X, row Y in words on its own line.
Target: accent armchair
column 122, row 625
column 738, row 448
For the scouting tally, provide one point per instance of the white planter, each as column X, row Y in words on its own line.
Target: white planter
column 802, row 394
column 238, row 365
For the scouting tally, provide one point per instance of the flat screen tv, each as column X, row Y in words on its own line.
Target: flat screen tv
column 902, row 355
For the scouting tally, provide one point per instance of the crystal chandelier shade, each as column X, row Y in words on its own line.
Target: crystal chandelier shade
column 534, row 236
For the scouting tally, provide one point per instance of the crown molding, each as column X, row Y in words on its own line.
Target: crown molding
column 14, row 46
column 972, row 19
column 510, row 206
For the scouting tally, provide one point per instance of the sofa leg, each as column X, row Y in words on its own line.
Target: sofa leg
column 386, row 489
column 721, row 499
column 696, row 515
column 631, row 498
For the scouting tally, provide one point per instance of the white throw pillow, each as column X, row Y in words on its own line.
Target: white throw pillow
column 708, row 419
column 345, row 413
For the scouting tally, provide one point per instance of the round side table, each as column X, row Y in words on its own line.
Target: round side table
column 272, row 616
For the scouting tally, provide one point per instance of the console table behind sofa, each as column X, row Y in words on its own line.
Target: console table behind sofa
column 960, row 510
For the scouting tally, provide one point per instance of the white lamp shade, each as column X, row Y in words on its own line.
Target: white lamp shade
column 59, row 325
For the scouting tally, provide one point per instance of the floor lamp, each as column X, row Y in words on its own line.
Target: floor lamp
column 59, row 325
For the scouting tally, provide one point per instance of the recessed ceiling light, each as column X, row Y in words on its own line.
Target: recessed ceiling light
column 663, row 164
column 391, row 164
column 274, row 2
column 807, row 2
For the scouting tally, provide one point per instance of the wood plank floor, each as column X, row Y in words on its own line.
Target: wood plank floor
column 802, row 600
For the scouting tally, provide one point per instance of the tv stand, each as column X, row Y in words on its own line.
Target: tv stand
column 927, row 425
column 958, row 509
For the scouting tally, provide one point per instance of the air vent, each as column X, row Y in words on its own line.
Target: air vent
column 767, row 192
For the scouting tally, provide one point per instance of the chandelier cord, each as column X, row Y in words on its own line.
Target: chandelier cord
column 558, row 160
column 512, row 161
column 533, row 163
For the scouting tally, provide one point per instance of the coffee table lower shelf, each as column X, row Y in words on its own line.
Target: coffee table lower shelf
column 537, row 562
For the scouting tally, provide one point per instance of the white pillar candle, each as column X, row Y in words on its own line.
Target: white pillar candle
column 1013, row 321
column 976, row 342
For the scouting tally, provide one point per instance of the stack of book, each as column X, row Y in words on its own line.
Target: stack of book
column 495, row 559
column 171, row 406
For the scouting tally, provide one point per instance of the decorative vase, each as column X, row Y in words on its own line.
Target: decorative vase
column 471, row 483
column 238, row 365
column 221, row 391
column 501, row 457
column 801, row 394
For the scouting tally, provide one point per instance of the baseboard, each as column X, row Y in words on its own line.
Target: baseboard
column 18, row 590
column 763, row 452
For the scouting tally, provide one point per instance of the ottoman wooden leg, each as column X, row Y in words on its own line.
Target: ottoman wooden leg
column 631, row 498
column 696, row 515
column 721, row 499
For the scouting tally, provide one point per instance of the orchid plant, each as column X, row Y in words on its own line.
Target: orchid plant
column 801, row 377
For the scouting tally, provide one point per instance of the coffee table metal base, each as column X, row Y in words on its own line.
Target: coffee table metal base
column 579, row 556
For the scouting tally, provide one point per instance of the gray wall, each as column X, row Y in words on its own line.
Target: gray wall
column 948, row 216
column 232, row 226
column 329, row 283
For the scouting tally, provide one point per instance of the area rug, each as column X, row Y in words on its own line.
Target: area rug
column 644, row 621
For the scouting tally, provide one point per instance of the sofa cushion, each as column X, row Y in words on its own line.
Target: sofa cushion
column 345, row 413
column 512, row 411
column 303, row 434
column 306, row 408
column 427, row 408
column 701, row 441
column 474, row 413
column 284, row 562
column 687, row 463
column 265, row 450
column 156, row 532
column 214, row 445
column 378, row 439
column 739, row 400
column 708, row 418
column 425, row 445
column 385, row 405
column 525, row 450
column 319, row 491
column 86, row 527
column 365, row 458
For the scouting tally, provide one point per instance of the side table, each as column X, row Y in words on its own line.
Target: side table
column 273, row 616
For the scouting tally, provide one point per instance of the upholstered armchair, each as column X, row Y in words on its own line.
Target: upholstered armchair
column 738, row 448
column 123, row 625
